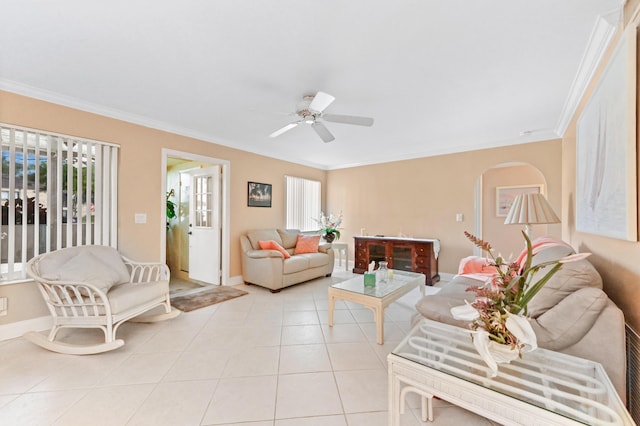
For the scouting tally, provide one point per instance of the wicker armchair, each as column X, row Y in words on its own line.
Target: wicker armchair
column 96, row 287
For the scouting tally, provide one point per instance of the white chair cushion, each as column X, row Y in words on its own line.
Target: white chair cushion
column 98, row 265
column 133, row 295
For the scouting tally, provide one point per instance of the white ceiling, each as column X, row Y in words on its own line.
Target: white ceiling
column 438, row 76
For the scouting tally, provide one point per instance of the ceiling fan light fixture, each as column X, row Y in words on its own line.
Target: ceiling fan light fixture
column 311, row 112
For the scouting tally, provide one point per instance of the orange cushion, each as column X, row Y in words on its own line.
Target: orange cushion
column 272, row 245
column 307, row 244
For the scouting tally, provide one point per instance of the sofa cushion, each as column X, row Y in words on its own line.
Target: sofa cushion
column 295, row 264
column 316, row 259
column 571, row 277
column 567, row 322
column 263, row 235
column 289, row 237
column 452, row 294
column 272, row 245
column 307, row 244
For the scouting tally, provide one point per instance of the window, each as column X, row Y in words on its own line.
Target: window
column 57, row 191
column 302, row 203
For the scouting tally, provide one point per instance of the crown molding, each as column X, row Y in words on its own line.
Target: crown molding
column 601, row 35
column 71, row 102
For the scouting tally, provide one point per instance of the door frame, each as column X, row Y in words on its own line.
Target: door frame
column 225, row 213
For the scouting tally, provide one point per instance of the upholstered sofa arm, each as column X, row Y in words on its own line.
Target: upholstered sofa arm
column 570, row 320
column 324, row 248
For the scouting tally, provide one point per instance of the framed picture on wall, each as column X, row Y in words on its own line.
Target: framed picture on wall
column 506, row 194
column 259, row 194
column 606, row 169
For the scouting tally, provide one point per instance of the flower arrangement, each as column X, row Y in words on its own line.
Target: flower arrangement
column 502, row 306
column 329, row 224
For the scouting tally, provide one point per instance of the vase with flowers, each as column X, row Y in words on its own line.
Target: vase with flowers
column 329, row 226
column 501, row 330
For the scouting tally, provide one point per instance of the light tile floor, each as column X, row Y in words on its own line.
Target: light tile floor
column 263, row 360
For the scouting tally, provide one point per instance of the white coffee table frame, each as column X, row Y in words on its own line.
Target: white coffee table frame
column 375, row 298
column 543, row 388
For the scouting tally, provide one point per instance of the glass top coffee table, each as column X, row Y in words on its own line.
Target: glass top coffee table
column 542, row 388
column 376, row 298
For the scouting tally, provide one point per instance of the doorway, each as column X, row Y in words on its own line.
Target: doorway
column 488, row 223
column 196, row 240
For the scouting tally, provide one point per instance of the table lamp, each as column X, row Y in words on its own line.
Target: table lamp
column 530, row 209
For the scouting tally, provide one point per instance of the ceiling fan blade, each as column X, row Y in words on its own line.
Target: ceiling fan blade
column 348, row 119
column 284, row 129
column 320, row 101
column 322, row 131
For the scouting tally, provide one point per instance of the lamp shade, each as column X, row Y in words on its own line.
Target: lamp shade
column 530, row 209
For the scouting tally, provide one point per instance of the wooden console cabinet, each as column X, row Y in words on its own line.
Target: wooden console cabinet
column 407, row 254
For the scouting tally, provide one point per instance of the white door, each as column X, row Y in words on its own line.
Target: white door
column 204, row 225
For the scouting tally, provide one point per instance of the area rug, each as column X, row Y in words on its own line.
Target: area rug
column 201, row 299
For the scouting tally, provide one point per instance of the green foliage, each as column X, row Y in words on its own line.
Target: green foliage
column 171, row 207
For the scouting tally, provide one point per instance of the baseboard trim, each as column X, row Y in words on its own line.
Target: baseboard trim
column 17, row 329
column 235, row 280
column 446, row 277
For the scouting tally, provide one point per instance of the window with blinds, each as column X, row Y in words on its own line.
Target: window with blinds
column 303, row 200
column 57, row 191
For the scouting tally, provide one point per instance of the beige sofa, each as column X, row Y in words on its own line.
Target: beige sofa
column 269, row 268
column 571, row 314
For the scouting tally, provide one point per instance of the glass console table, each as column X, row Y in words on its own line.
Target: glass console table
column 542, row 388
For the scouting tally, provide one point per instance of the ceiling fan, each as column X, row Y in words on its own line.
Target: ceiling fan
column 311, row 111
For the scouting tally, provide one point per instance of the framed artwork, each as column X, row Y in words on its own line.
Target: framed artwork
column 259, row 194
column 606, row 199
column 505, row 195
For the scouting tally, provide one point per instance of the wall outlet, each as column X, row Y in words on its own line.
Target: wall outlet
column 459, row 217
column 4, row 305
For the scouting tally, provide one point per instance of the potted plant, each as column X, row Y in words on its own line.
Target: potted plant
column 171, row 207
column 329, row 226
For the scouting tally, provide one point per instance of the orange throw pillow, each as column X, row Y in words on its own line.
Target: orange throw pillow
column 307, row 244
column 272, row 245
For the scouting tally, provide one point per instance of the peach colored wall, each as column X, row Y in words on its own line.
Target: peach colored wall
column 507, row 239
column 616, row 260
column 140, row 178
column 420, row 197
column 415, row 197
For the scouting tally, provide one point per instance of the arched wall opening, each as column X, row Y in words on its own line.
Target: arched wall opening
column 495, row 189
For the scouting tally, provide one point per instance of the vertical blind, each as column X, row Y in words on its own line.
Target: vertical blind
column 57, row 191
column 302, row 203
